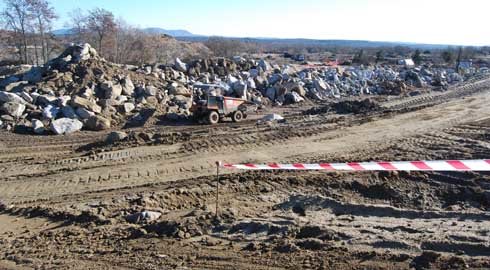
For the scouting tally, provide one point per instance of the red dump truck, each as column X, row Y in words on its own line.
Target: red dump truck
column 213, row 109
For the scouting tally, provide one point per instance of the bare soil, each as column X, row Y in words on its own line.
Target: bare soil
column 65, row 198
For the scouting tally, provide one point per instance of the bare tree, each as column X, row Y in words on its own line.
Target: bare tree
column 101, row 22
column 78, row 24
column 17, row 18
column 43, row 15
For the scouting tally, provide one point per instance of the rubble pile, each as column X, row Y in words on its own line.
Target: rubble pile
column 80, row 90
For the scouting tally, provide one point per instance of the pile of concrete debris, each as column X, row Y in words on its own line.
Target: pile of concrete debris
column 79, row 89
column 261, row 82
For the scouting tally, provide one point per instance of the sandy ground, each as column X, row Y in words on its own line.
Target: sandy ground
column 67, row 197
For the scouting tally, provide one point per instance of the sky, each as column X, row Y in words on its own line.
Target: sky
column 453, row 22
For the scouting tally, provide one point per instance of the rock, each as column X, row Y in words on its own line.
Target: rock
column 97, row 122
column 68, row 112
column 86, row 104
column 177, row 89
column 65, row 126
column 83, row 52
column 24, row 95
column 14, row 85
column 127, row 86
column 128, row 107
column 272, row 117
column 7, row 118
column 180, row 66
column 294, row 97
column 5, row 82
column 38, row 126
column 111, row 90
column 116, row 136
column 144, row 216
column 62, row 101
column 84, row 113
column 45, row 100
column 13, row 109
column 151, row 90
column 275, row 78
column 50, row 112
column 271, row 93
column 11, row 97
column 320, row 85
column 34, row 75
column 264, row 65
column 296, row 87
column 240, row 89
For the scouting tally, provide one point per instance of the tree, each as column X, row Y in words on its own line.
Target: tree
column 379, row 56
column 43, row 15
column 101, row 22
column 447, row 56
column 417, row 57
column 17, row 17
column 78, row 24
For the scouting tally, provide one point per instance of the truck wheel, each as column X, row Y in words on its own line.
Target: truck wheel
column 237, row 116
column 213, row 117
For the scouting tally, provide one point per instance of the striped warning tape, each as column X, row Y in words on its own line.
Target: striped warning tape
column 420, row 165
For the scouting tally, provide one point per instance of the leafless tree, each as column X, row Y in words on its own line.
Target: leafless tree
column 17, row 18
column 43, row 15
column 102, row 23
column 78, row 24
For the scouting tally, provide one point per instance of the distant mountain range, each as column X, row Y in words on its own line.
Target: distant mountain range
column 185, row 35
column 150, row 30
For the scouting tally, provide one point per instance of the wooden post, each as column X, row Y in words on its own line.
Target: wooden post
column 217, row 188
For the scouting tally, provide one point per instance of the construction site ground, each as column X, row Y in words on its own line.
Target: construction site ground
column 67, row 197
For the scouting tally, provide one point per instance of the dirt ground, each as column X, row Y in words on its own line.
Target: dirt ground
column 66, row 198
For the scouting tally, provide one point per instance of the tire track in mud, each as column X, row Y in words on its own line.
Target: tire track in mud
column 33, row 179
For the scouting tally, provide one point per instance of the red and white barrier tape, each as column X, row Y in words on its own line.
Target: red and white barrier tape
column 421, row 165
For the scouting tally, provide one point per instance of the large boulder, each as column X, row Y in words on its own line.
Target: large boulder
column 65, row 126
column 97, row 122
column 264, row 65
column 13, row 109
column 127, row 86
column 151, row 90
column 128, row 107
column 11, row 97
column 50, row 112
column 178, row 89
column 15, row 86
column 34, row 75
column 68, row 112
column 38, row 126
column 84, row 113
column 82, row 52
column 271, row 93
column 111, row 90
column 320, row 85
column 180, row 66
column 296, row 87
column 86, row 104
column 116, row 136
column 240, row 89
column 294, row 97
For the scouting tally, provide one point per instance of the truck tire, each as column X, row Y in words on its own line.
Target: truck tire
column 237, row 116
column 213, row 117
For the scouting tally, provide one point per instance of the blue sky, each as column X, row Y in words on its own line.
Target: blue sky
column 423, row 21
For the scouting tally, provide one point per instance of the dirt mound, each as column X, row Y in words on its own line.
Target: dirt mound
column 347, row 106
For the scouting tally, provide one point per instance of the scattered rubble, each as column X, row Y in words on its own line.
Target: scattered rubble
column 81, row 85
